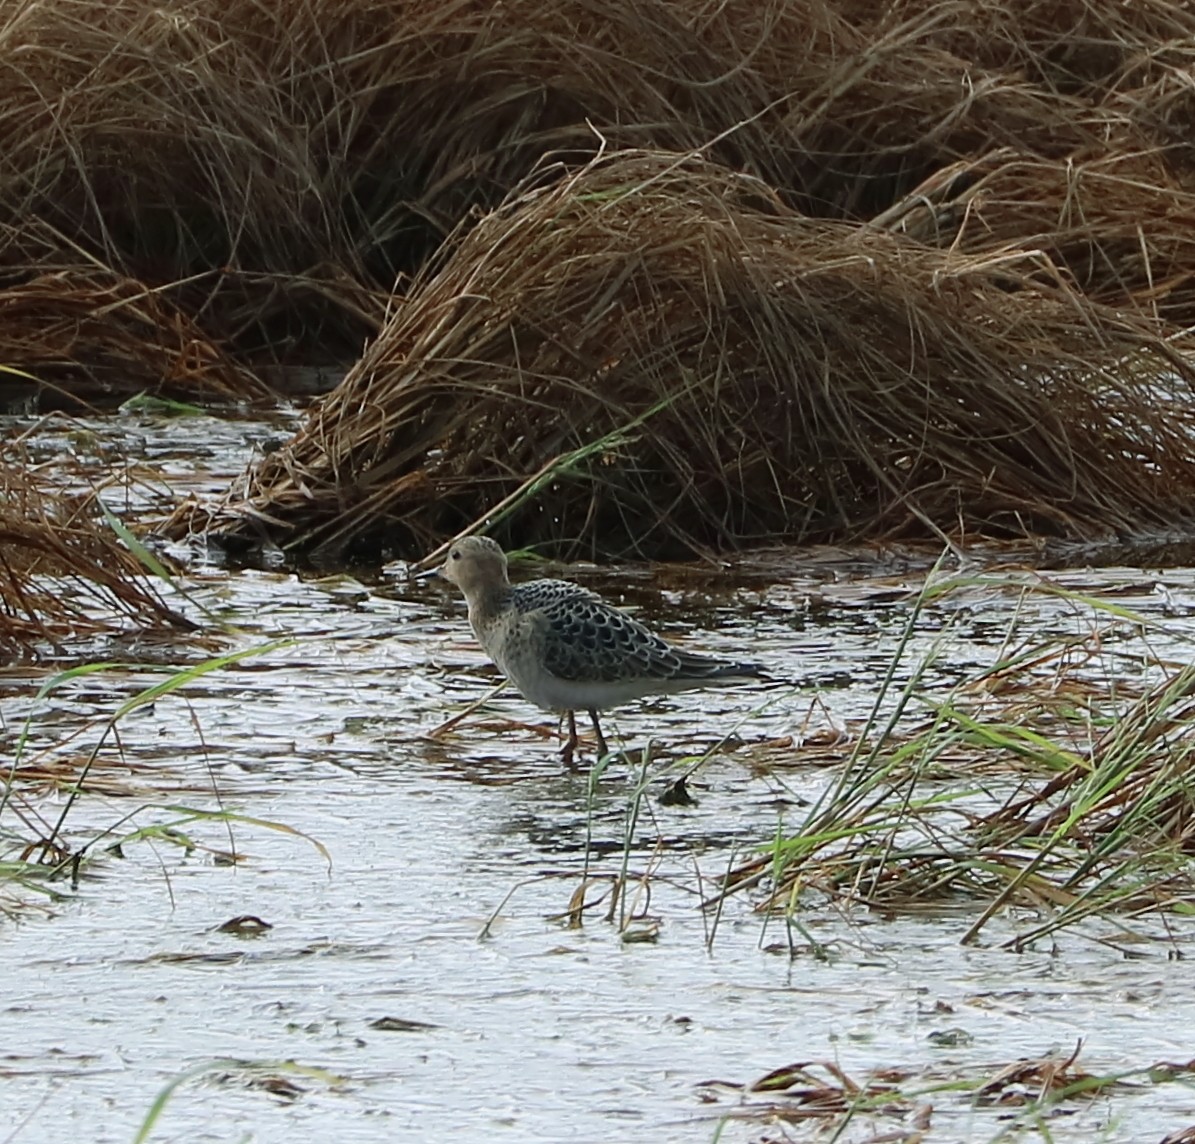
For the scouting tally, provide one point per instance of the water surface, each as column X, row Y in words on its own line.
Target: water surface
column 374, row 1009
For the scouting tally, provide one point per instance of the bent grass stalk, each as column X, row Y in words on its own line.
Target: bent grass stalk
column 172, row 831
column 1099, row 824
column 33, row 866
column 226, row 1065
column 563, row 465
column 154, row 565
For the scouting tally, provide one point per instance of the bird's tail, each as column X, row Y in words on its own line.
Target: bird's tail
column 706, row 667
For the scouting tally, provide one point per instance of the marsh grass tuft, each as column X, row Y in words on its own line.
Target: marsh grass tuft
column 1052, row 785
column 88, row 335
column 668, row 281
column 655, row 356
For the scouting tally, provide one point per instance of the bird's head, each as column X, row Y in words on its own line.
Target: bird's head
column 475, row 563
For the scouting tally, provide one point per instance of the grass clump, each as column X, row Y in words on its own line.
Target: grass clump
column 632, row 349
column 911, row 1101
column 65, row 575
column 266, row 175
column 695, row 366
column 1054, row 784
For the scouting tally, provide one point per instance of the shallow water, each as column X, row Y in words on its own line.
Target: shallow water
column 535, row 1031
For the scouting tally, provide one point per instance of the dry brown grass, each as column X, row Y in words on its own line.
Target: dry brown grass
column 1119, row 224
column 1084, row 48
column 88, row 334
column 218, row 187
column 175, row 147
column 272, row 170
column 657, row 355
column 64, row 575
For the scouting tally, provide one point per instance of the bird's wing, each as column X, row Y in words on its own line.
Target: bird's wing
column 586, row 640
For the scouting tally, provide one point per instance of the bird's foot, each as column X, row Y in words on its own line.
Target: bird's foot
column 568, row 751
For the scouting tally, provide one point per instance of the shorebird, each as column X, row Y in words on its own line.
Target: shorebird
column 565, row 648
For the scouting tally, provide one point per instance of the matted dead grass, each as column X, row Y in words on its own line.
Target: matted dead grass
column 903, row 1104
column 64, row 575
column 289, row 135
column 88, row 334
column 1078, row 47
column 248, row 184
column 273, row 170
column 1119, row 224
column 654, row 355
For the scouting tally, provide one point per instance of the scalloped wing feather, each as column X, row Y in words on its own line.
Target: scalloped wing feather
column 588, row 641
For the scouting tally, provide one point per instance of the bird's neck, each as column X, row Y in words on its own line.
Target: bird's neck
column 487, row 603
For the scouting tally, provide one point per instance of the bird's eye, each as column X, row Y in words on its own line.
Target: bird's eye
column 455, row 556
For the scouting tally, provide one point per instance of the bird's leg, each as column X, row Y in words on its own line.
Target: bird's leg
column 570, row 745
column 597, row 730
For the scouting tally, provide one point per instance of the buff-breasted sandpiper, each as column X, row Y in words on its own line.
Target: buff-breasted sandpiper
column 565, row 648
